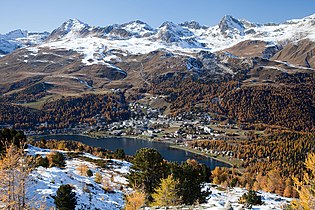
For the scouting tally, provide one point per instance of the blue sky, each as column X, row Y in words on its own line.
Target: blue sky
column 46, row 15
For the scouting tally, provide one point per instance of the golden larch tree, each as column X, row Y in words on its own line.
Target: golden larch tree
column 15, row 166
column 167, row 193
column 135, row 200
column 306, row 187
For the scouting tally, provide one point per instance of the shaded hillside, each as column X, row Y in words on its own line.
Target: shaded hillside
column 301, row 53
column 61, row 69
column 253, row 48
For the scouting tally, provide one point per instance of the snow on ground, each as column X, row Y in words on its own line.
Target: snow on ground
column 94, row 48
column 44, row 182
column 218, row 199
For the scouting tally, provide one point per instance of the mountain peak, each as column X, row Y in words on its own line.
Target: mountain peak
column 140, row 22
column 192, row 25
column 69, row 28
column 17, row 34
column 137, row 28
column 74, row 24
column 170, row 32
column 230, row 25
column 168, row 24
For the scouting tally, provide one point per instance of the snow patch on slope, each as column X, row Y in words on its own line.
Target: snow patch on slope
column 218, row 198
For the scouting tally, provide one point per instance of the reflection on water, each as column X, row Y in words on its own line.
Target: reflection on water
column 130, row 146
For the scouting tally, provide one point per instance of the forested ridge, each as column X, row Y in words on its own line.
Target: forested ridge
column 289, row 103
column 67, row 111
column 291, row 107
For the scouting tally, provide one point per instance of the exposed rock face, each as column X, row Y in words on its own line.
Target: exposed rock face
column 123, row 54
column 101, row 32
column 119, row 33
column 15, row 34
column 138, row 28
column 193, row 25
column 19, row 38
column 6, row 47
column 229, row 25
column 271, row 50
column 170, row 32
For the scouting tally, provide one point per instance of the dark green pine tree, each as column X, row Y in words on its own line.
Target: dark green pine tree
column 147, row 170
column 251, row 198
column 58, row 159
column 65, row 198
column 191, row 178
column 120, row 154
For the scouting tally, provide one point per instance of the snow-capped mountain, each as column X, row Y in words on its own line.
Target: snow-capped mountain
column 177, row 35
column 6, row 47
column 137, row 37
column 138, row 28
column 14, row 34
column 73, row 28
column 230, row 26
column 171, row 32
column 19, row 38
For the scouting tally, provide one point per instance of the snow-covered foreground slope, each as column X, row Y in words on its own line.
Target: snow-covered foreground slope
column 44, row 183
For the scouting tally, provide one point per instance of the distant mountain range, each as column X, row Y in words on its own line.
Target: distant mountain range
column 186, row 37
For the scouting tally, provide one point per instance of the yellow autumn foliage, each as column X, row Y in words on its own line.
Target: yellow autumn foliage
column 306, row 187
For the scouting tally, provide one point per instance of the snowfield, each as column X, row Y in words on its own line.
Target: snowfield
column 44, row 182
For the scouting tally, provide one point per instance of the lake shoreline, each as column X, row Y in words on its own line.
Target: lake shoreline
column 171, row 144
column 185, row 148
